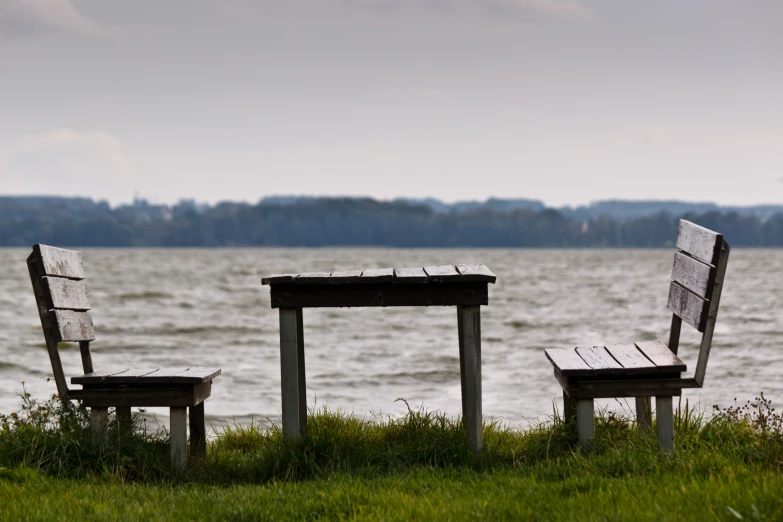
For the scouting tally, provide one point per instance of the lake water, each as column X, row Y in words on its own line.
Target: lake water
column 206, row 307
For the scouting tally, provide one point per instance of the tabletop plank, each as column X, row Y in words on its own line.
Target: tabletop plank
column 312, row 278
column 476, row 273
column 344, row 277
column 442, row 273
column 377, row 275
column 410, row 275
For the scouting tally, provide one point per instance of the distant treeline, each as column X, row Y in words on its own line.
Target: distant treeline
column 357, row 222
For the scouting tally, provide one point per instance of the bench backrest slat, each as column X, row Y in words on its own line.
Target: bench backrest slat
column 65, row 294
column 72, row 326
column 688, row 306
column 59, row 262
column 699, row 242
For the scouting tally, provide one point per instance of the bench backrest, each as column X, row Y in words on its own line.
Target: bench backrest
column 695, row 289
column 60, row 291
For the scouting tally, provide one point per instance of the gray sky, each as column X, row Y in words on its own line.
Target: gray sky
column 568, row 101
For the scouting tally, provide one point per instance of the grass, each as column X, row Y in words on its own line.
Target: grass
column 727, row 467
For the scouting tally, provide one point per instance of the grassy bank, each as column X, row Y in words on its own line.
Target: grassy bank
column 417, row 467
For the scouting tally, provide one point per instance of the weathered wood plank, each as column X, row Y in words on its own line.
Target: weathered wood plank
column 183, row 395
column 712, row 314
column 34, row 269
column 65, row 294
column 291, row 372
column 442, row 273
column 598, row 358
column 469, row 335
column 164, row 375
column 129, row 376
column 664, row 416
column 585, row 420
column 97, row 377
column 124, row 420
column 667, row 385
column 193, row 375
column 276, row 279
column 344, row 277
column 311, row 278
column 99, row 422
column 567, row 361
column 693, row 274
column 84, row 349
column 661, row 356
column 377, row 275
column 476, row 273
column 690, row 307
column 198, row 430
column 631, row 359
column 699, row 241
column 59, row 262
column 410, row 275
column 72, row 326
column 179, row 438
column 643, row 413
column 359, row 295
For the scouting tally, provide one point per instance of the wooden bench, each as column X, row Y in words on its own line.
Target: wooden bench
column 651, row 369
column 61, row 295
column 463, row 286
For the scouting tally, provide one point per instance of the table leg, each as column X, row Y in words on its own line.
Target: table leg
column 198, row 430
column 292, row 369
column 469, row 326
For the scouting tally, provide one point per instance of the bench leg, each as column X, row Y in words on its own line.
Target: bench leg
column 99, row 421
column 643, row 413
column 585, row 421
column 569, row 409
column 198, row 432
column 469, row 327
column 124, row 420
column 179, row 439
column 292, row 369
column 664, row 416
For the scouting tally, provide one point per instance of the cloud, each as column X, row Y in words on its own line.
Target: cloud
column 66, row 161
column 26, row 17
column 573, row 9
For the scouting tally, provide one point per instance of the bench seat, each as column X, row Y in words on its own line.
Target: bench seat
column 148, row 376
column 646, row 357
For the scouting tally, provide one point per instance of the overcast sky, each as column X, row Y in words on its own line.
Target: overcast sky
column 568, row 101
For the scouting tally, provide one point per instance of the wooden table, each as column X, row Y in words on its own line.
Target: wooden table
column 463, row 286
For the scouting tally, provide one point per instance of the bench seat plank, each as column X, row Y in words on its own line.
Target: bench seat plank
column 567, row 361
column 664, row 359
column 97, row 377
column 599, row 359
column 631, row 359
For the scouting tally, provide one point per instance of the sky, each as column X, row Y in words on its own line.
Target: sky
column 567, row 101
